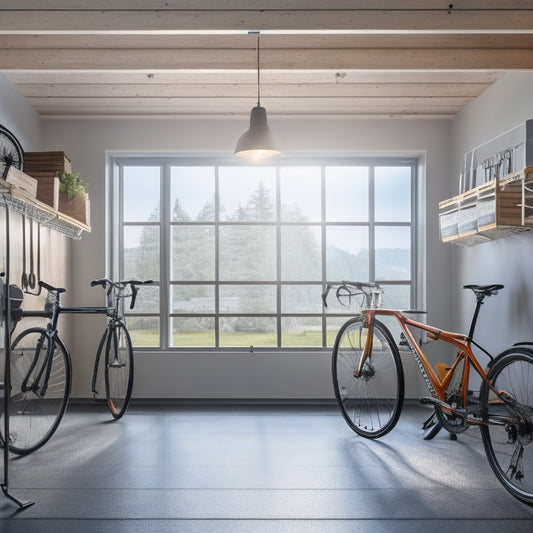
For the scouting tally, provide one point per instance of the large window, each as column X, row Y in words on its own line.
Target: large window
column 241, row 254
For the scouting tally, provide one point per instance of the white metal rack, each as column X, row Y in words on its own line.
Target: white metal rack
column 15, row 200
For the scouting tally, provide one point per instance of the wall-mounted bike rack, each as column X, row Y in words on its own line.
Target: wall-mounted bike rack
column 14, row 200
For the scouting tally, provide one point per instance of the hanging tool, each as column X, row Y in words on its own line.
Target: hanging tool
column 24, row 277
column 31, row 277
column 33, row 280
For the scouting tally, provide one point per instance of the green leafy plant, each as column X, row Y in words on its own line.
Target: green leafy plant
column 72, row 184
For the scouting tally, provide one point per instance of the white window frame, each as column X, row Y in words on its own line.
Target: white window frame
column 115, row 227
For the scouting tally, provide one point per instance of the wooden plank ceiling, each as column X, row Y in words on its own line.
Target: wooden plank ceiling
column 181, row 58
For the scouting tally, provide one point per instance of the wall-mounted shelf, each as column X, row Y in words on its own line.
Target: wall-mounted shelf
column 21, row 202
column 496, row 209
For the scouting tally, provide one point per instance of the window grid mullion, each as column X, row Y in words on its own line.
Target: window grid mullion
column 278, row 257
column 166, row 251
column 371, row 224
column 217, row 257
column 165, row 254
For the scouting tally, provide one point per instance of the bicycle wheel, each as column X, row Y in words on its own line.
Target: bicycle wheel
column 508, row 430
column 37, row 403
column 371, row 403
column 118, row 370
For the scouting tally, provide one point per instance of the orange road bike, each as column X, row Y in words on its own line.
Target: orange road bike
column 369, row 383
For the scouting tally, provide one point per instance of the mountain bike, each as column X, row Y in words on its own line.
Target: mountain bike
column 41, row 369
column 368, row 381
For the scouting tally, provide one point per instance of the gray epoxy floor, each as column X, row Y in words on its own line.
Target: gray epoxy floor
column 283, row 469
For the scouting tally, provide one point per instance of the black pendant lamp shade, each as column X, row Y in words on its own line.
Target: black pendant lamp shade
column 257, row 143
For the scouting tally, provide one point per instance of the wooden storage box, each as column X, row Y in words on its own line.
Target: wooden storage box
column 491, row 211
column 21, row 181
column 47, row 188
column 46, row 162
column 448, row 219
column 48, row 191
column 78, row 207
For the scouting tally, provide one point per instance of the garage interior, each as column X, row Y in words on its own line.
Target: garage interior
column 223, row 439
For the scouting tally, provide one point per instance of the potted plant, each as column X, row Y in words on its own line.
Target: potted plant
column 73, row 197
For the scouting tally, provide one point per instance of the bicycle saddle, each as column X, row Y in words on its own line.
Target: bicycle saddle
column 50, row 288
column 484, row 290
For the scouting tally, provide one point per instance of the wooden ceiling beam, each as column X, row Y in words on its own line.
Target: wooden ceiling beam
column 268, row 41
column 102, row 21
column 249, row 90
column 278, row 77
column 337, row 59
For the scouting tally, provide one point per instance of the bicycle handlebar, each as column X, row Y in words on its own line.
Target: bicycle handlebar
column 371, row 291
column 121, row 285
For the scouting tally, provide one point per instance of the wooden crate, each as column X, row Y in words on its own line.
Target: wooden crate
column 48, row 191
column 46, row 162
column 490, row 211
column 78, row 207
column 22, row 181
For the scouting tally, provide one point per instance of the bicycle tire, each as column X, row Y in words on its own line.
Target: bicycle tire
column 11, row 152
column 118, row 370
column 371, row 404
column 507, row 432
column 34, row 418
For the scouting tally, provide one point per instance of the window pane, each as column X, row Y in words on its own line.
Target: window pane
column 193, row 253
column 193, row 298
column 393, row 194
column 147, row 300
column 144, row 331
column 141, row 252
column 257, row 240
column 193, row 331
column 397, row 296
column 247, row 194
column 333, row 325
column 192, row 193
column 301, row 253
column 301, row 194
column 347, row 194
column 393, row 253
column 247, row 299
column 347, row 256
column 301, row 299
column 301, row 331
column 141, row 194
column 248, row 331
column 247, row 253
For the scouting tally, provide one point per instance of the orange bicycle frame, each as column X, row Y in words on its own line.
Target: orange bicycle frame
column 437, row 385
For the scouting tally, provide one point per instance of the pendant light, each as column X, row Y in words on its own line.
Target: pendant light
column 256, row 143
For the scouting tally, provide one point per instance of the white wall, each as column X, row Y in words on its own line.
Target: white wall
column 508, row 317
column 238, row 375
column 18, row 117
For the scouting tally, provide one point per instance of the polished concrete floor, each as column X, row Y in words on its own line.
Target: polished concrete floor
column 234, row 468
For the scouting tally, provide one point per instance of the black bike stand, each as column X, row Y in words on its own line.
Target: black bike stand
column 6, row 307
column 432, row 422
column 21, row 505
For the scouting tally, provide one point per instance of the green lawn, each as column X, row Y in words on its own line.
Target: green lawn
column 312, row 338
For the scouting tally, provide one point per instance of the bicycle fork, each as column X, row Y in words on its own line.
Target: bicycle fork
column 46, row 369
column 363, row 369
